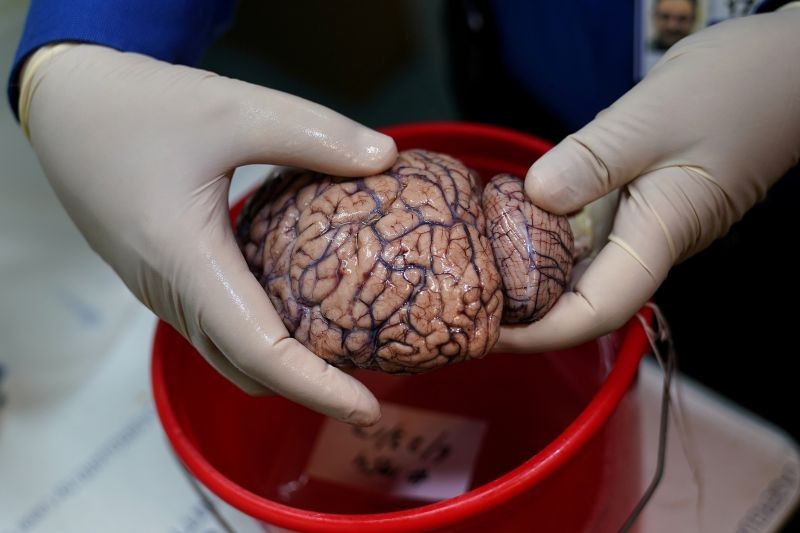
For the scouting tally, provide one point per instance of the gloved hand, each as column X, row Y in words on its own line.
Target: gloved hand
column 693, row 146
column 141, row 153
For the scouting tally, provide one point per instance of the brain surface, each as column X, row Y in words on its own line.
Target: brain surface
column 532, row 248
column 397, row 272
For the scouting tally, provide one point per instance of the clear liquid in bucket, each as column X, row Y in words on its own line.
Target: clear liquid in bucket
column 264, row 444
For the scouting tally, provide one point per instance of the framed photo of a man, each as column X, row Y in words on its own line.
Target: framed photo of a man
column 672, row 20
column 661, row 24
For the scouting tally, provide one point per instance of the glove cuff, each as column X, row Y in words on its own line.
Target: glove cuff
column 27, row 85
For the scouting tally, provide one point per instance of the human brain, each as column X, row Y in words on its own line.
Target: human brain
column 406, row 271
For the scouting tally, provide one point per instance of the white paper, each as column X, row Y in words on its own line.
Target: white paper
column 412, row 453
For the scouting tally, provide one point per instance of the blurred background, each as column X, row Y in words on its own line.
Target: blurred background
column 380, row 66
column 61, row 307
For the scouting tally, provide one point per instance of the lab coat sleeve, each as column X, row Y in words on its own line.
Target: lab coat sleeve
column 177, row 31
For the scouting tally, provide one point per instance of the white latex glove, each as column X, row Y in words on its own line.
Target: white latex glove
column 693, row 146
column 141, row 153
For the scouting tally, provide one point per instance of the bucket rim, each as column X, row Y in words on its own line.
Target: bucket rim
column 438, row 514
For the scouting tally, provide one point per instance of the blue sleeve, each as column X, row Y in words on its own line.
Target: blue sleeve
column 770, row 5
column 575, row 58
column 177, row 31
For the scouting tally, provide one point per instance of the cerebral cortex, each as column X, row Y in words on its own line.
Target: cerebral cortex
column 406, row 271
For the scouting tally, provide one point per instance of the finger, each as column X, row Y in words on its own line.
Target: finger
column 612, row 289
column 621, row 143
column 221, row 364
column 274, row 127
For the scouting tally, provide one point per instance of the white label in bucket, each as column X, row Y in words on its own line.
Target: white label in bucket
column 412, row 453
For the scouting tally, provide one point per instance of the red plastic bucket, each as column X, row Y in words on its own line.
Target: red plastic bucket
column 561, row 450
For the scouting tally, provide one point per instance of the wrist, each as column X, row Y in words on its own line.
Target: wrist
column 28, row 85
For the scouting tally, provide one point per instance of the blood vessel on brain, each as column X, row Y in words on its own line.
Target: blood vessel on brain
column 406, row 271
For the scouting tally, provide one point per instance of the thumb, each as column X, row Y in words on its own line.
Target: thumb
column 271, row 126
column 613, row 149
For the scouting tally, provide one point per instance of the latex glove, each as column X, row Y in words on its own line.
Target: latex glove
column 141, row 153
column 693, row 146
